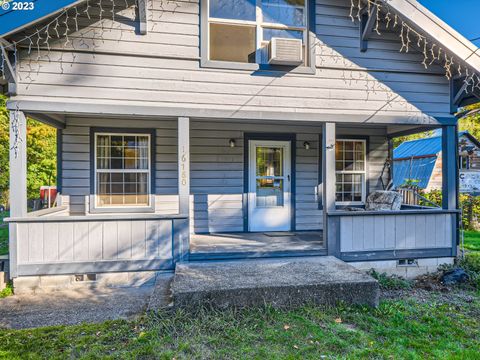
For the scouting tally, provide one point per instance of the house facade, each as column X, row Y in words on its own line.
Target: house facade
column 420, row 161
column 181, row 135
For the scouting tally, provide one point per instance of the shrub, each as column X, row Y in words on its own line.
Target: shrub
column 469, row 204
column 390, row 282
column 471, row 265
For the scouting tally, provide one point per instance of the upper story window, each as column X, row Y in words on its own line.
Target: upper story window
column 122, row 170
column 240, row 30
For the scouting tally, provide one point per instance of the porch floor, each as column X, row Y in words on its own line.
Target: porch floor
column 256, row 244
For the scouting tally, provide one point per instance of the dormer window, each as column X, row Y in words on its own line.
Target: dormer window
column 240, row 31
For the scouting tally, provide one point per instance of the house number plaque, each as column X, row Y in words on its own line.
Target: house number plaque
column 183, row 165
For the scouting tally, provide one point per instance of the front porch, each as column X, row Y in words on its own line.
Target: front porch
column 203, row 182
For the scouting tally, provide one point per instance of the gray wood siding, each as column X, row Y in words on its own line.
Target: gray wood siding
column 396, row 232
column 76, row 160
column 87, row 241
column 217, row 174
column 217, row 170
column 161, row 69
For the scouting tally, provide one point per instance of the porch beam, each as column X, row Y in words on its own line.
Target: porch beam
column 329, row 179
column 58, row 122
column 143, row 16
column 119, row 109
column 367, row 21
column 18, row 179
column 410, row 131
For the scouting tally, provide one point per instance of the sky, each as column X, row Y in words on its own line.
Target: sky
column 462, row 15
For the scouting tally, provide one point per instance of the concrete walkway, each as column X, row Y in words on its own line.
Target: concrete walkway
column 81, row 305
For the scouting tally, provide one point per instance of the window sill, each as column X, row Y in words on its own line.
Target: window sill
column 122, row 210
column 309, row 70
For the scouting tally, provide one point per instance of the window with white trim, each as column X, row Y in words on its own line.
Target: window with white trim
column 350, row 167
column 122, row 170
column 240, row 30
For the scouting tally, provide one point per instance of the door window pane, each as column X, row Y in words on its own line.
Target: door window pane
column 232, row 43
column 233, row 9
column 269, row 192
column 269, row 161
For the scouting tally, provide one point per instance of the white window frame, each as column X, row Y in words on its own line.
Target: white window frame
column 260, row 25
column 125, row 208
column 355, row 172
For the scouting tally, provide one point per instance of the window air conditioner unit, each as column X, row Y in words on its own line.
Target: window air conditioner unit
column 285, row 51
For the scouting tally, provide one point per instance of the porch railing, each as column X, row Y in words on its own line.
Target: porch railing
column 50, row 243
column 374, row 235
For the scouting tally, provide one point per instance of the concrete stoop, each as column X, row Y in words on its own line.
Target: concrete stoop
column 287, row 282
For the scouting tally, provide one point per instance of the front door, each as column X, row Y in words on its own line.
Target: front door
column 269, row 199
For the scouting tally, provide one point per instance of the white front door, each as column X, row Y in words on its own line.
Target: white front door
column 269, row 198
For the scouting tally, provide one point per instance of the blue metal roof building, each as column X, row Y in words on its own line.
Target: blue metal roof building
column 416, row 159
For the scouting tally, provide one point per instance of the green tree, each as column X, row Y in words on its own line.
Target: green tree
column 398, row 140
column 471, row 121
column 41, row 155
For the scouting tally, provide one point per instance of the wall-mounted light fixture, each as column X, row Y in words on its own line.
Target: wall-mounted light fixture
column 231, row 142
column 306, row 145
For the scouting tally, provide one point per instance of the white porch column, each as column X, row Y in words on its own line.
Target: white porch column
column 182, row 226
column 18, row 179
column 184, row 165
column 329, row 180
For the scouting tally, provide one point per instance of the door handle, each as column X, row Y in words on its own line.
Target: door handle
column 288, row 177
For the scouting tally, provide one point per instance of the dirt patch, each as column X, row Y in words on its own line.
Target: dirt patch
column 428, row 288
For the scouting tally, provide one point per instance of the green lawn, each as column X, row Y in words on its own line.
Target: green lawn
column 472, row 240
column 409, row 328
column 3, row 235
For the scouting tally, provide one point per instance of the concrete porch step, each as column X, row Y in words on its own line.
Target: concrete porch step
column 283, row 282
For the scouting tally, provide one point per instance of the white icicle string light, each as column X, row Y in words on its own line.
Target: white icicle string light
column 15, row 126
column 76, row 18
column 87, row 8
column 41, row 38
column 430, row 50
column 377, row 20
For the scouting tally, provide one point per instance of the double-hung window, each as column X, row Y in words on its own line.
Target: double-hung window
column 240, row 30
column 350, row 167
column 122, row 170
